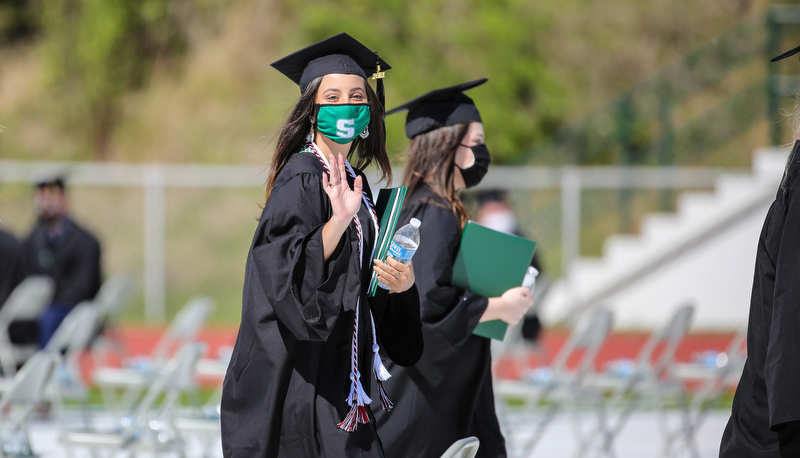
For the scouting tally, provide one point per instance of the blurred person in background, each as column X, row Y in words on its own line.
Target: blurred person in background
column 12, row 267
column 61, row 249
column 765, row 416
column 495, row 212
column 448, row 394
column 298, row 383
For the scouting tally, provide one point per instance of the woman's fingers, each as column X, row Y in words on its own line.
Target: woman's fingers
column 394, row 274
column 335, row 176
column 342, row 169
column 385, row 269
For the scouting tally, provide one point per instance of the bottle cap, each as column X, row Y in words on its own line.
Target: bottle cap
column 415, row 222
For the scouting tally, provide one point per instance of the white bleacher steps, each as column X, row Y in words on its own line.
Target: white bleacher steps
column 704, row 254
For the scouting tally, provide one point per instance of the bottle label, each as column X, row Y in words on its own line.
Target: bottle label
column 401, row 254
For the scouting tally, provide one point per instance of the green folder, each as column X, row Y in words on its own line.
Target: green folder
column 489, row 263
column 388, row 206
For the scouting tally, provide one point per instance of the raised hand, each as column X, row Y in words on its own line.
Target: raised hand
column 345, row 202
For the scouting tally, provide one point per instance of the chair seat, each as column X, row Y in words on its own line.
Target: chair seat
column 121, row 377
column 23, row 352
column 199, row 425
column 110, row 439
column 5, row 384
column 118, row 441
column 700, row 372
column 207, row 367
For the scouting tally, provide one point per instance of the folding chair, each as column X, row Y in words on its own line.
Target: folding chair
column 715, row 377
column 150, row 426
column 202, row 423
column 463, row 448
column 72, row 338
column 183, row 329
column 26, row 302
column 514, row 349
column 558, row 386
column 651, row 377
column 113, row 297
column 19, row 400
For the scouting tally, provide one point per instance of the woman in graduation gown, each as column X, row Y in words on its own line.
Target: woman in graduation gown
column 447, row 395
column 765, row 417
column 298, row 381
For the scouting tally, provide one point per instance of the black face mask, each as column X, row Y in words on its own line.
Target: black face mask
column 475, row 173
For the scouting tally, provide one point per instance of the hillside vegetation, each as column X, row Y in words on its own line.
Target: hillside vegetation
column 189, row 80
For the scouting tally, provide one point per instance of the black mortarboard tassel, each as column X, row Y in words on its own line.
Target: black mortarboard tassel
column 439, row 108
column 338, row 54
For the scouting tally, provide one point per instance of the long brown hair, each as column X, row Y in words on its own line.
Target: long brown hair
column 363, row 152
column 431, row 160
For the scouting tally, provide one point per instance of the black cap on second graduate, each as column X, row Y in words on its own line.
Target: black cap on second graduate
column 788, row 53
column 338, row 54
column 439, row 108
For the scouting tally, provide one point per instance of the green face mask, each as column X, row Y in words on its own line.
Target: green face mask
column 342, row 122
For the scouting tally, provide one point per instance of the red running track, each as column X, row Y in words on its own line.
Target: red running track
column 138, row 340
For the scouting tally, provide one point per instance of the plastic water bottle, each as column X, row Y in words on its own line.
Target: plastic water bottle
column 529, row 281
column 404, row 244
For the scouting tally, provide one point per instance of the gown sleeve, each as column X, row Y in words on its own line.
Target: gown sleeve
column 305, row 292
column 781, row 368
column 84, row 273
column 399, row 325
column 448, row 316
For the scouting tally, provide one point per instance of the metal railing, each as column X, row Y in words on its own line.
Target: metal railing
column 570, row 182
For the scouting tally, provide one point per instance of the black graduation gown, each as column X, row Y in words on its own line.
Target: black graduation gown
column 768, row 393
column 12, row 269
column 288, row 380
column 447, row 395
column 72, row 262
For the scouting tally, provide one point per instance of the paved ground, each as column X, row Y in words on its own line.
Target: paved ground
column 640, row 438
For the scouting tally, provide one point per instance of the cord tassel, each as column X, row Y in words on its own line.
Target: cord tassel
column 361, row 396
column 358, row 398
column 386, row 403
column 350, row 422
column 381, row 373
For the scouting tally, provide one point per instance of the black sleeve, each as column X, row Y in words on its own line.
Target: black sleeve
column 781, row 368
column 789, row 438
column 83, row 275
column 448, row 316
column 305, row 292
column 12, row 265
column 400, row 328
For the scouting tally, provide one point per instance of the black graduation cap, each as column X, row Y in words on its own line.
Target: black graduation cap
column 491, row 195
column 439, row 108
column 337, row 54
column 789, row 53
